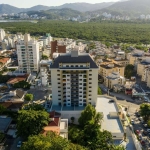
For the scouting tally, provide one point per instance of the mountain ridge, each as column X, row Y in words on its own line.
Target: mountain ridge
column 82, row 7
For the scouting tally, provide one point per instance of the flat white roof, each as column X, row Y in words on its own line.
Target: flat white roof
column 110, row 124
column 62, row 125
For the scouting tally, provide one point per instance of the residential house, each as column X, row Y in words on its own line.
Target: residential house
column 57, row 125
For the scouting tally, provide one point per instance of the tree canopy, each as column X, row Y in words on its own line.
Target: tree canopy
column 28, row 97
column 89, row 133
column 145, row 110
column 49, row 142
column 106, row 31
column 31, row 122
column 129, row 71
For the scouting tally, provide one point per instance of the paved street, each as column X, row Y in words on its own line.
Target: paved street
column 39, row 93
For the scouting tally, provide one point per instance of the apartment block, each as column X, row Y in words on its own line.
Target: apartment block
column 109, row 67
column 28, row 54
column 74, row 79
column 2, row 34
column 113, row 79
column 45, row 72
column 142, row 66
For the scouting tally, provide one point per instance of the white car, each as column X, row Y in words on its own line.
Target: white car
column 148, row 130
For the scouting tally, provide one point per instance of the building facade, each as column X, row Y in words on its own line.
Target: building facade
column 74, row 79
column 28, row 54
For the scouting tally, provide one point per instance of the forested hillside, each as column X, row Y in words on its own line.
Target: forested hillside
column 126, row 32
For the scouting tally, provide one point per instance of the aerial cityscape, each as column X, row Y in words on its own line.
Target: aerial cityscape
column 75, row 76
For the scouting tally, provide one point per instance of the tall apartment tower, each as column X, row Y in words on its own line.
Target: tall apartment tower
column 74, row 79
column 28, row 54
column 2, row 34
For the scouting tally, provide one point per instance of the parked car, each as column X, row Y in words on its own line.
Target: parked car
column 137, row 132
column 140, row 137
column 132, row 122
column 128, row 115
column 145, row 125
column 148, row 130
column 145, row 132
column 142, row 142
column 111, row 101
column 19, row 144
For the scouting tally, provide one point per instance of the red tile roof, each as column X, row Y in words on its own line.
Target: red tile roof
column 54, row 121
column 4, row 60
column 17, row 79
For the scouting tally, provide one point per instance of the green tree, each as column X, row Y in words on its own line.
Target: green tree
column 49, row 142
column 28, row 97
column 45, row 57
column 35, row 107
column 2, row 109
column 89, row 114
column 22, row 84
column 148, row 123
column 30, row 122
column 129, row 71
column 99, row 92
column 145, row 110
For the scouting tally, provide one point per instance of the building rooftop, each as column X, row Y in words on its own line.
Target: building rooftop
column 12, row 105
column 112, row 124
column 81, row 58
column 4, row 123
column 110, row 66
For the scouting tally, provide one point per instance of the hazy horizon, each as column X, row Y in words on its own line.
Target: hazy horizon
column 29, row 3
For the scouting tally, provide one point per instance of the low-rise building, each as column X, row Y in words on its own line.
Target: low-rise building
column 4, row 62
column 12, row 105
column 142, row 66
column 111, row 116
column 13, row 96
column 113, row 79
column 107, row 68
column 57, row 125
column 45, row 72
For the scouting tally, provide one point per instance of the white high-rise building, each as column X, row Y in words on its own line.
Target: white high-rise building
column 2, row 34
column 28, row 54
column 74, row 79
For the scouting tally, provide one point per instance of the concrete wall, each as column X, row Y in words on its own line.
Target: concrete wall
column 69, row 114
column 117, row 135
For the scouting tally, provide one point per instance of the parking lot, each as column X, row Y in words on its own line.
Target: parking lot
column 141, row 130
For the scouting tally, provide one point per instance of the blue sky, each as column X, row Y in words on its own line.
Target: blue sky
column 29, row 3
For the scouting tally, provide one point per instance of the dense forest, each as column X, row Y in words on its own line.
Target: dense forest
column 107, row 31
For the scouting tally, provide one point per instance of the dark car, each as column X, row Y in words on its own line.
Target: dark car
column 111, row 101
column 145, row 132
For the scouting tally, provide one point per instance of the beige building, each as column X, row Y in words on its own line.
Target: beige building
column 121, row 62
column 113, row 79
column 142, row 66
column 107, row 68
column 148, row 78
column 135, row 57
column 74, row 79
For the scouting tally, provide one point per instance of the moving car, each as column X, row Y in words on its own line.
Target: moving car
column 19, row 144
